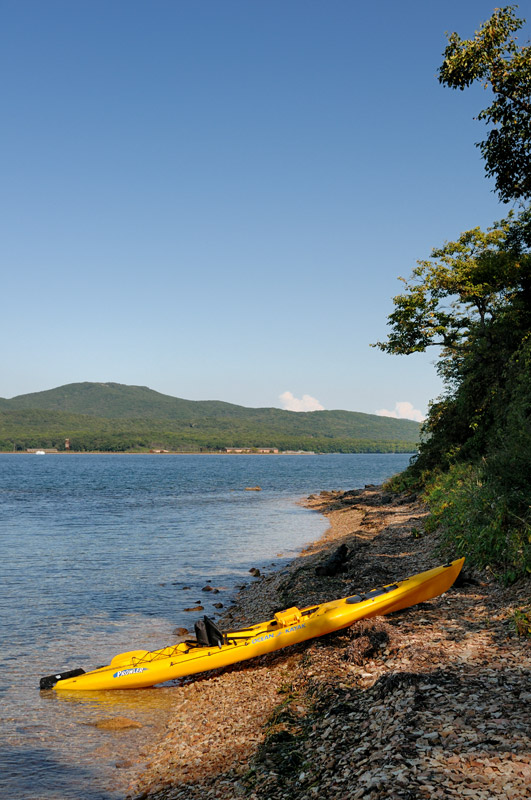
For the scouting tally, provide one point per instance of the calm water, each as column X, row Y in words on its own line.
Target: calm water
column 95, row 554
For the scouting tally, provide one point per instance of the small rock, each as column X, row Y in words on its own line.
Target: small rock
column 180, row 631
column 195, row 608
column 218, row 605
column 255, row 572
column 115, row 724
column 207, row 588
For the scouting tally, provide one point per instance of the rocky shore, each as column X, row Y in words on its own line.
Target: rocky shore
column 430, row 702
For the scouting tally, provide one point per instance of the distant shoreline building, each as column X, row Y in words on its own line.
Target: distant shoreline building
column 260, row 450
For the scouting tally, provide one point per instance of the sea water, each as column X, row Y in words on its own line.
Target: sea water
column 102, row 554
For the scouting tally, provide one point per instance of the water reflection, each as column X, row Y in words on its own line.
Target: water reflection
column 136, row 701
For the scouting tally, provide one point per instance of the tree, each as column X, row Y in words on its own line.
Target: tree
column 494, row 58
column 472, row 299
column 455, row 299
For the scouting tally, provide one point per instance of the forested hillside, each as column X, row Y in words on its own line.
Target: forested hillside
column 114, row 417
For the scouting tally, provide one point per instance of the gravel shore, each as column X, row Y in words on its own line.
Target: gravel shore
column 430, row 702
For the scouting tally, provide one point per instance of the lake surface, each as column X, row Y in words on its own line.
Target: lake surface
column 95, row 553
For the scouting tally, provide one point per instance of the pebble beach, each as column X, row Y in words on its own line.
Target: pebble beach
column 429, row 702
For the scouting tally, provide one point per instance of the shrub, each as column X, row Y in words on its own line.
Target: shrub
column 477, row 521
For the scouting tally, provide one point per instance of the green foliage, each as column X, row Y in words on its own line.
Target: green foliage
column 477, row 521
column 408, row 481
column 473, row 300
column 116, row 418
column 522, row 622
column 494, row 59
column 451, row 299
column 117, row 401
column 483, row 500
column 140, row 406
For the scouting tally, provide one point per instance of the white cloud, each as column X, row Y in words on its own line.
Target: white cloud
column 403, row 410
column 306, row 403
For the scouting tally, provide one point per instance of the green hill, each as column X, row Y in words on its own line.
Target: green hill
column 112, row 416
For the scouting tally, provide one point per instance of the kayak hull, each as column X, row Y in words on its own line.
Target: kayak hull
column 141, row 668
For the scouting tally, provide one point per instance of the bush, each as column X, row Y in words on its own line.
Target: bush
column 478, row 522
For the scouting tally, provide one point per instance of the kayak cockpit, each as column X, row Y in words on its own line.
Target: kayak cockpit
column 357, row 598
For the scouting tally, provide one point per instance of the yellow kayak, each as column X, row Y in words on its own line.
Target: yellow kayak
column 213, row 649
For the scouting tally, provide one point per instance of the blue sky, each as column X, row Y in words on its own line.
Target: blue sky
column 216, row 198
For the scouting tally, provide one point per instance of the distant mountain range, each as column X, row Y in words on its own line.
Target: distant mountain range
column 116, row 417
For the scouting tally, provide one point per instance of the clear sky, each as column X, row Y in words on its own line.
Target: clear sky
column 215, row 198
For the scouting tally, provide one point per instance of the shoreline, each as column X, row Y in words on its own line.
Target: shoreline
column 203, row 453
column 376, row 712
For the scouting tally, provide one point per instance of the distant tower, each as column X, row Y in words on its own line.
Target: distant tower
column 67, row 444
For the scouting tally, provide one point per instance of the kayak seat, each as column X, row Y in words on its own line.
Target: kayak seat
column 207, row 633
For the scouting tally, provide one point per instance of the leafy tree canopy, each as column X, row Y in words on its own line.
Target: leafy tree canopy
column 494, row 58
column 457, row 298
